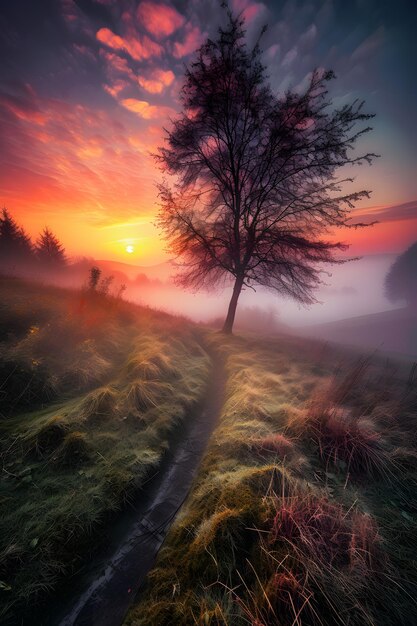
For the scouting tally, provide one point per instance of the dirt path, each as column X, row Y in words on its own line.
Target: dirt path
column 106, row 597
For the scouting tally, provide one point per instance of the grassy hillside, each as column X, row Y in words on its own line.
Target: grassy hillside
column 91, row 390
column 303, row 511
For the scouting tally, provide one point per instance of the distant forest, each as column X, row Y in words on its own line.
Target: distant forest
column 18, row 251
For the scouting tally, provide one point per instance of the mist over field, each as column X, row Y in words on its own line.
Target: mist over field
column 353, row 289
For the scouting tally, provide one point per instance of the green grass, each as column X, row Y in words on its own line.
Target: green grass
column 105, row 386
column 303, row 509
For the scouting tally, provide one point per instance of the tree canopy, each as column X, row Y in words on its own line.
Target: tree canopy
column 401, row 280
column 255, row 191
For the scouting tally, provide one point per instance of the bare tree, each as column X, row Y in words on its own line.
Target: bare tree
column 255, row 187
column 401, row 280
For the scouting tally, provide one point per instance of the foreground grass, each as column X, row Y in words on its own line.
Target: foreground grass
column 303, row 510
column 92, row 390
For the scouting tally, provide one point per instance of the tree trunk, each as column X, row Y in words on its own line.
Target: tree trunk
column 228, row 324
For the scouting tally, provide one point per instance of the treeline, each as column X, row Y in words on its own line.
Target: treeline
column 18, row 251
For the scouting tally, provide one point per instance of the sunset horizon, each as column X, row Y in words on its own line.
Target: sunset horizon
column 81, row 119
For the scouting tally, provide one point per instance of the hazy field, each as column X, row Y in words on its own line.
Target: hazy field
column 91, row 392
column 302, row 511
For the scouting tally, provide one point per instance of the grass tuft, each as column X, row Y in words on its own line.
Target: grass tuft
column 73, row 451
column 344, row 440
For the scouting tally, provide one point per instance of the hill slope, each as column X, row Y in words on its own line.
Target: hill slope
column 92, row 390
column 390, row 331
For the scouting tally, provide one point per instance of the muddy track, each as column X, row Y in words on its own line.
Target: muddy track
column 107, row 594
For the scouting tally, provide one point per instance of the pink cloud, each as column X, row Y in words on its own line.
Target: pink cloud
column 69, row 10
column 138, row 48
column 24, row 109
column 117, row 64
column 249, row 10
column 145, row 110
column 116, row 87
column 159, row 19
column 106, row 36
column 193, row 40
column 159, row 81
column 78, row 159
column 396, row 213
column 252, row 12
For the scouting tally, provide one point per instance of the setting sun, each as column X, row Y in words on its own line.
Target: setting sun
column 130, row 249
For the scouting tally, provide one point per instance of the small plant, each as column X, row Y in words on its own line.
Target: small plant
column 104, row 285
column 95, row 273
column 99, row 403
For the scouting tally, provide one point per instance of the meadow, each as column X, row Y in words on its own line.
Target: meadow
column 91, row 391
column 302, row 511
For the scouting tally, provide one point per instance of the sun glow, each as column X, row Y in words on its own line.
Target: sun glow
column 130, row 249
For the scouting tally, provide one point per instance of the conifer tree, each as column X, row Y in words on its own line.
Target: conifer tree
column 49, row 250
column 15, row 245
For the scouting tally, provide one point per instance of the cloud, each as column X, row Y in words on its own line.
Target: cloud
column 137, row 47
column 116, row 64
column 116, row 87
column 290, row 57
column 74, row 159
column 273, row 51
column 191, row 42
column 160, row 20
column 369, row 46
column 145, row 110
column 159, row 81
column 249, row 10
column 106, row 36
column 253, row 11
column 395, row 213
column 23, row 108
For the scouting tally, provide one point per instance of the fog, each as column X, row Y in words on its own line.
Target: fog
column 353, row 289
column 351, row 305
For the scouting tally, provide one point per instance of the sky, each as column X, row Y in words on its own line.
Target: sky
column 87, row 87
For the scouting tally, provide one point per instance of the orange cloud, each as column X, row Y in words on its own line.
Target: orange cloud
column 145, row 110
column 80, row 163
column 161, row 79
column 159, row 20
column 138, row 48
column 106, row 36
